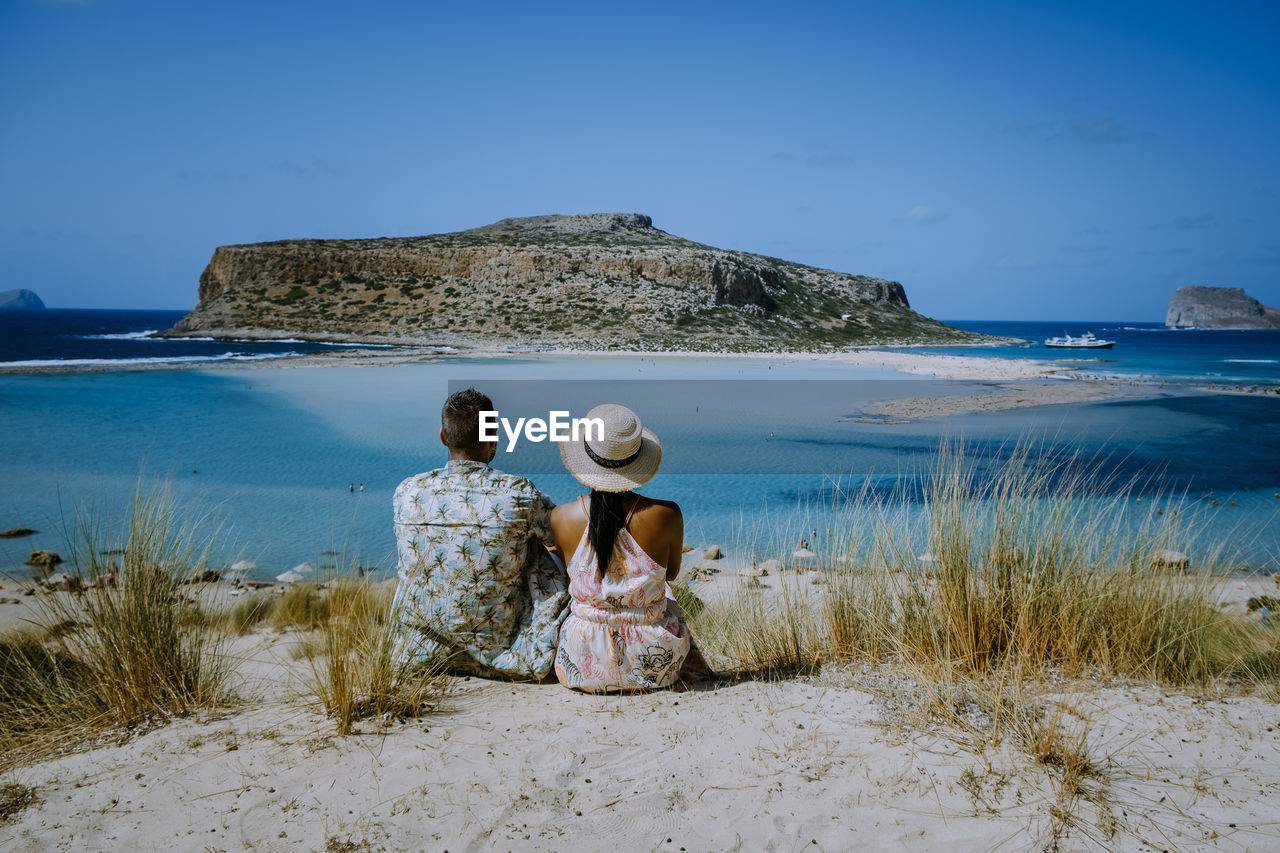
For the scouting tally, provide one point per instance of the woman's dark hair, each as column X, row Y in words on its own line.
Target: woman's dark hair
column 606, row 518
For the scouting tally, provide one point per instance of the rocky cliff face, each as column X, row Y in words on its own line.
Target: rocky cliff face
column 1219, row 308
column 600, row 281
column 20, row 300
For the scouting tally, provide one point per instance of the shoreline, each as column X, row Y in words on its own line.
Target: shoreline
column 1017, row 383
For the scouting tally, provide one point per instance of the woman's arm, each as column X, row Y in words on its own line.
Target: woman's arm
column 676, row 547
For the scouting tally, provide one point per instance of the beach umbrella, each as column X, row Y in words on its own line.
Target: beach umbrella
column 303, row 568
column 289, row 577
column 236, row 571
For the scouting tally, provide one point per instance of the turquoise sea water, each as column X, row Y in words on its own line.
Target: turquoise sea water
column 271, row 455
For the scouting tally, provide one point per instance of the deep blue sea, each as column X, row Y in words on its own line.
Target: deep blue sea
column 1143, row 350
column 273, row 460
column 94, row 338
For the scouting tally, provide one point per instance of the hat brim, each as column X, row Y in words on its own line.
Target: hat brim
column 624, row 479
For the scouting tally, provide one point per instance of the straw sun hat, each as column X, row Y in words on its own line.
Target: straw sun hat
column 626, row 458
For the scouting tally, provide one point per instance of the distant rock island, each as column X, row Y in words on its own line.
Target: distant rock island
column 20, row 300
column 1219, row 308
column 596, row 281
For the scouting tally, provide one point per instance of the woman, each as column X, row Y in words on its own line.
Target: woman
column 624, row 630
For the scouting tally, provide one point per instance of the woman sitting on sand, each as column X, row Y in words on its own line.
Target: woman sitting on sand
column 624, row 630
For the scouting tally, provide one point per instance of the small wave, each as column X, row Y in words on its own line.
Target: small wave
column 172, row 359
column 335, row 344
column 1251, row 361
column 247, row 340
column 120, row 336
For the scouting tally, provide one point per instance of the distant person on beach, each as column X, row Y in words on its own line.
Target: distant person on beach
column 625, row 630
column 477, row 586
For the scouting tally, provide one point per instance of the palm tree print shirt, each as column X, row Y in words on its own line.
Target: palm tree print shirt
column 476, row 582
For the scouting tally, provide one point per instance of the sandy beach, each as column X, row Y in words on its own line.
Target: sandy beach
column 847, row 758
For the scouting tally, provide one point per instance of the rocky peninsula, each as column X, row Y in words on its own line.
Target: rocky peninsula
column 590, row 282
column 1219, row 308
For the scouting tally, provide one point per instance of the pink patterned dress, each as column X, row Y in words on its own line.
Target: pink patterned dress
column 625, row 632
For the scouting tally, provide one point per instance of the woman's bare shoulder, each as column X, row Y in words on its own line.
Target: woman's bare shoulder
column 661, row 508
column 566, row 512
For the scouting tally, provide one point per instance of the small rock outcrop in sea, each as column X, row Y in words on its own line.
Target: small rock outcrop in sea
column 599, row 281
column 15, row 532
column 20, row 300
column 1219, row 308
column 44, row 559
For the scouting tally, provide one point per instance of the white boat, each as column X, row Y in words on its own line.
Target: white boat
column 1085, row 341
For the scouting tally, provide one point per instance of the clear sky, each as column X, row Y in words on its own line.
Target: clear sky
column 1017, row 160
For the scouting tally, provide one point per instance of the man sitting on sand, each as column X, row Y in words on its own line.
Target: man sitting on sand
column 477, row 587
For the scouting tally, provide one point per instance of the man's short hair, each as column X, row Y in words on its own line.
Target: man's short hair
column 460, row 419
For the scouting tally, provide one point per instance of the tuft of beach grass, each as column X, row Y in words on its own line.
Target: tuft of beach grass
column 356, row 671
column 1042, row 564
column 114, row 655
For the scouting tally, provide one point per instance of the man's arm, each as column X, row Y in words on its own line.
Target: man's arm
column 540, row 524
column 533, row 647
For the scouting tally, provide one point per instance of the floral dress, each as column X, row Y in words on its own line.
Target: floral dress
column 624, row 632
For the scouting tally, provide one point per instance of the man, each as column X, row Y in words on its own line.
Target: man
column 477, row 586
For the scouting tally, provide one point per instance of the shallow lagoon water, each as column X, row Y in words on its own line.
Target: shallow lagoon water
column 269, row 454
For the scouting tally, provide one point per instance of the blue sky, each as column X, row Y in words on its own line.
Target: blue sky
column 1052, row 161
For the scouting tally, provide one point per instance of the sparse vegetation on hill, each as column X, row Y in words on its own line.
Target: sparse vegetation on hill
column 600, row 281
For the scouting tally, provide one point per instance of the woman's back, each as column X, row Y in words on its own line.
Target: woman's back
column 656, row 526
column 634, row 583
column 624, row 631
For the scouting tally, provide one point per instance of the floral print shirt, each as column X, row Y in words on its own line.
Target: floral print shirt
column 476, row 583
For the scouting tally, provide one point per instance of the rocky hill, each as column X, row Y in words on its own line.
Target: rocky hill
column 1219, row 308
column 20, row 300
column 599, row 281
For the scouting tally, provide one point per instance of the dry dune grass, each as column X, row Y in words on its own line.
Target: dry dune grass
column 356, row 673
column 349, row 642
column 1025, row 571
column 123, row 655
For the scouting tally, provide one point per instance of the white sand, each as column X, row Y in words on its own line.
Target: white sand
column 800, row 764
column 944, row 366
column 1006, row 395
column 827, row 762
